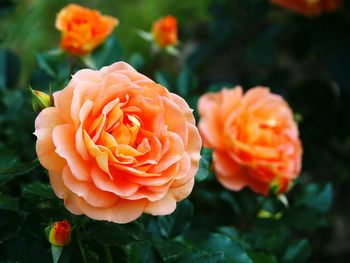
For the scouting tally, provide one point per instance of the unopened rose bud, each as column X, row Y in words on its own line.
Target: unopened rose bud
column 164, row 31
column 59, row 233
column 40, row 100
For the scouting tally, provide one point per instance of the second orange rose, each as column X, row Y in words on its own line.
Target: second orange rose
column 254, row 137
column 83, row 29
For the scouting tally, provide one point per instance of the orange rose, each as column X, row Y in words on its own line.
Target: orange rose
column 117, row 145
column 164, row 31
column 310, row 7
column 254, row 136
column 83, row 29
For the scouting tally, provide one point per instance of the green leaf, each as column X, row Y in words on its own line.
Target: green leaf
column 229, row 231
column 161, row 78
column 137, row 61
column 297, row 252
column 56, row 253
column 316, row 196
column 109, row 52
column 89, row 256
column 204, row 165
column 176, row 223
column 140, row 252
column 268, row 235
column 186, row 82
column 9, row 173
column 115, row 234
column 54, row 63
column 145, row 35
column 38, row 189
column 10, row 223
column 233, row 250
column 202, row 257
column 259, row 257
column 171, row 50
column 8, row 202
column 170, row 250
column 9, row 68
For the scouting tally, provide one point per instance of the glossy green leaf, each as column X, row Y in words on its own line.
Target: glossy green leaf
column 186, row 82
column 19, row 169
column 8, row 202
column 204, row 165
column 233, row 250
column 109, row 52
column 141, row 252
column 9, row 68
column 176, row 223
column 297, row 252
column 260, row 257
column 316, row 196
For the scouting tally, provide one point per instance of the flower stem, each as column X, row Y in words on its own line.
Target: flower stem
column 108, row 255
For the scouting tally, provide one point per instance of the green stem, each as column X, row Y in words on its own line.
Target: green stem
column 108, row 255
column 88, row 62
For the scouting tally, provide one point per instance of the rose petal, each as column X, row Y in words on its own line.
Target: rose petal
column 164, row 206
column 63, row 138
column 122, row 212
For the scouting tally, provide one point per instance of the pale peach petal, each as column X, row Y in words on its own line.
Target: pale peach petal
column 119, row 185
column 115, row 67
column 186, row 110
column 173, row 155
column 174, row 119
column 79, row 97
column 57, row 183
column 210, row 124
column 87, row 75
column 88, row 191
column 164, row 206
column 123, row 211
column 183, row 191
column 79, row 140
column 63, row 137
column 63, row 100
column 158, row 180
column 71, row 203
column 194, row 143
column 229, row 172
column 44, row 123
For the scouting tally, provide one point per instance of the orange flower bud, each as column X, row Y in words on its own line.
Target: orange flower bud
column 59, row 233
column 40, row 100
column 164, row 31
column 83, row 29
column 310, row 7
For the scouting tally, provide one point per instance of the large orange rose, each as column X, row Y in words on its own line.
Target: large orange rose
column 83, row 29
column 164, row 31
column 310, row 7
column 254, row 136
column 117, row 145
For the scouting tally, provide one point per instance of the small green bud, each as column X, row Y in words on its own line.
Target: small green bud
column 40, row 100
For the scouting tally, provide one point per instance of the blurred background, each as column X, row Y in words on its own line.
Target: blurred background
column 222, row 43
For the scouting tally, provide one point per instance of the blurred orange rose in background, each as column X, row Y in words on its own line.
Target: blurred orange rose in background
column 117, row 145
column 254, row 137
column 164, row 31
column 83, row 29
column 310, row 7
